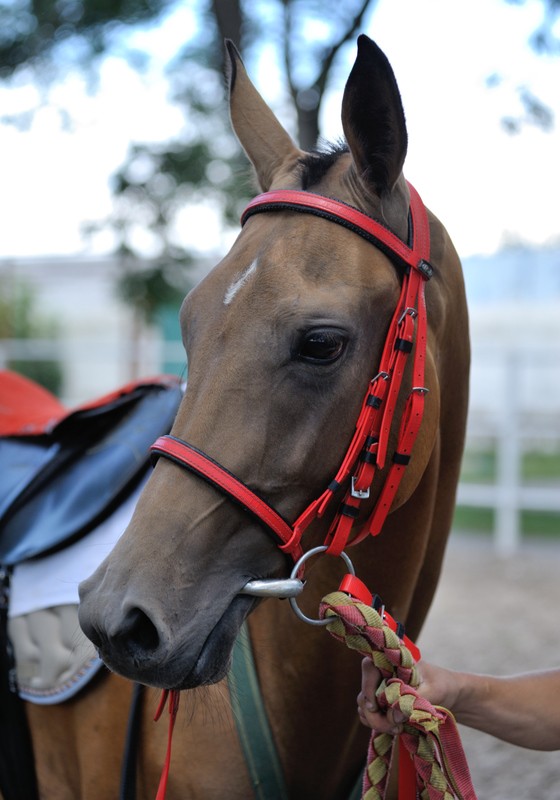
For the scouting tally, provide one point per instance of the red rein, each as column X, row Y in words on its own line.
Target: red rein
column 171, row 695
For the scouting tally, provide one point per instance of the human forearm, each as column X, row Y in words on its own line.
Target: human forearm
column 522, row 709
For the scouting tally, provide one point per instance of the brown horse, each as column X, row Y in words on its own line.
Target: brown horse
column 283, row 338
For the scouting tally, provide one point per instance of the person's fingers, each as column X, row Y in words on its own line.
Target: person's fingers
column 371, row 678
column 368, row 709
column 379, row 721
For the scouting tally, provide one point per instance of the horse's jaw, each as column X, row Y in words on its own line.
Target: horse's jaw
column 214, row 659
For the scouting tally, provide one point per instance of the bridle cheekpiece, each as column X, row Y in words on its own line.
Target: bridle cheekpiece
column 367, row 451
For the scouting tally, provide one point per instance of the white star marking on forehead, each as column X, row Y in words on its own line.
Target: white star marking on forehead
column 239, row 282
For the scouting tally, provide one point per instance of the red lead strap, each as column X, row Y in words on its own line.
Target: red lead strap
column 172, row 696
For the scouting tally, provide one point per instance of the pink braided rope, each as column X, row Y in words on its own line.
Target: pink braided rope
column 430, row 734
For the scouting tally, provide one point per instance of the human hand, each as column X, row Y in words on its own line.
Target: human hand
column 368, row 709
column 438, row 685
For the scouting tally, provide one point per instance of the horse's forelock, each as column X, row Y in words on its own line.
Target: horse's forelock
column 313, row 166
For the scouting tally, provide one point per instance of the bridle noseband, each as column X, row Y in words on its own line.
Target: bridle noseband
column 368, row 448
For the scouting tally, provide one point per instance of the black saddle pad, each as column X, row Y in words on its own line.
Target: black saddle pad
column 57, row 485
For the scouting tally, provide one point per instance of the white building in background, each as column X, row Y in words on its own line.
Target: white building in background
column 514, row 299
column 514, row 302
column 99, row 343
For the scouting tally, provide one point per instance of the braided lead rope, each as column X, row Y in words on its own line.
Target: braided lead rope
column 430, row 734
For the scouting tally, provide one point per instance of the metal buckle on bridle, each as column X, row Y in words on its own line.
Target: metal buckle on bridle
column 410, row 312
column 359, row 494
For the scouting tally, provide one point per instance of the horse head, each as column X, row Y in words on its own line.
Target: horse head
column 282, row 338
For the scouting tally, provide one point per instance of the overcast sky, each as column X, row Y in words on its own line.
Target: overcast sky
column 488, row 187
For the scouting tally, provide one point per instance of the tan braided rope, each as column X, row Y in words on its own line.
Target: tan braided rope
column 429, row 735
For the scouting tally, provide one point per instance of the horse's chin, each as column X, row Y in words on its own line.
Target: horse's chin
column 215, row 657
column 211, row 664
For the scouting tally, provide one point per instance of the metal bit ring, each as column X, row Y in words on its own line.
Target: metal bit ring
column 293, row 602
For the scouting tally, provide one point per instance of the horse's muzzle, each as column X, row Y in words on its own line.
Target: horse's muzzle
column 167, row 652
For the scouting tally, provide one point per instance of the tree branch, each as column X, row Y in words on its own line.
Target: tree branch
column 351, row 31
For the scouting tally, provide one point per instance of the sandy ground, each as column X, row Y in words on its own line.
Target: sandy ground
column 499, row 616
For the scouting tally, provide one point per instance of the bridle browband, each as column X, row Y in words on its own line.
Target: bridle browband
column 368, row 448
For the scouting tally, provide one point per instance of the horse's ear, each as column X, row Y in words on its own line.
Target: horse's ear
column 373, row 119
column 268, row 146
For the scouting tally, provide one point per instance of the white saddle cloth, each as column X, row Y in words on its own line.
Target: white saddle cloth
column 54, row 660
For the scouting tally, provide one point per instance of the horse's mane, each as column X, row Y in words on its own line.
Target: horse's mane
column 315, row 164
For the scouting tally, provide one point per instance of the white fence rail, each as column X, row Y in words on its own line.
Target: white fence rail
column 508, row 497
column 515, row 405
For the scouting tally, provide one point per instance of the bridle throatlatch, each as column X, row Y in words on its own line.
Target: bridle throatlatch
column 367, row 451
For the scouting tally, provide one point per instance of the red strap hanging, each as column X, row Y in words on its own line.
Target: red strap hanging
column 172, row 696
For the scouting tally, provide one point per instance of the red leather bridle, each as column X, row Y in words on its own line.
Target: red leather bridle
column 367, row 451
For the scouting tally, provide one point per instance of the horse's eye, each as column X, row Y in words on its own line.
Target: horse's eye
column 320, row 346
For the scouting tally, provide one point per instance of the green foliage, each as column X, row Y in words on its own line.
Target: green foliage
column 204, row 164
column 20, row 319
column 32, row 32
column 153, row 287
column 157, row 181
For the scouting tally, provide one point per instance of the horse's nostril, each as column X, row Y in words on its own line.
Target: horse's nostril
column 138, row 632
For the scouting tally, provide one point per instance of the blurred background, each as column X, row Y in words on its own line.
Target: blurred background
column 122, row 185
